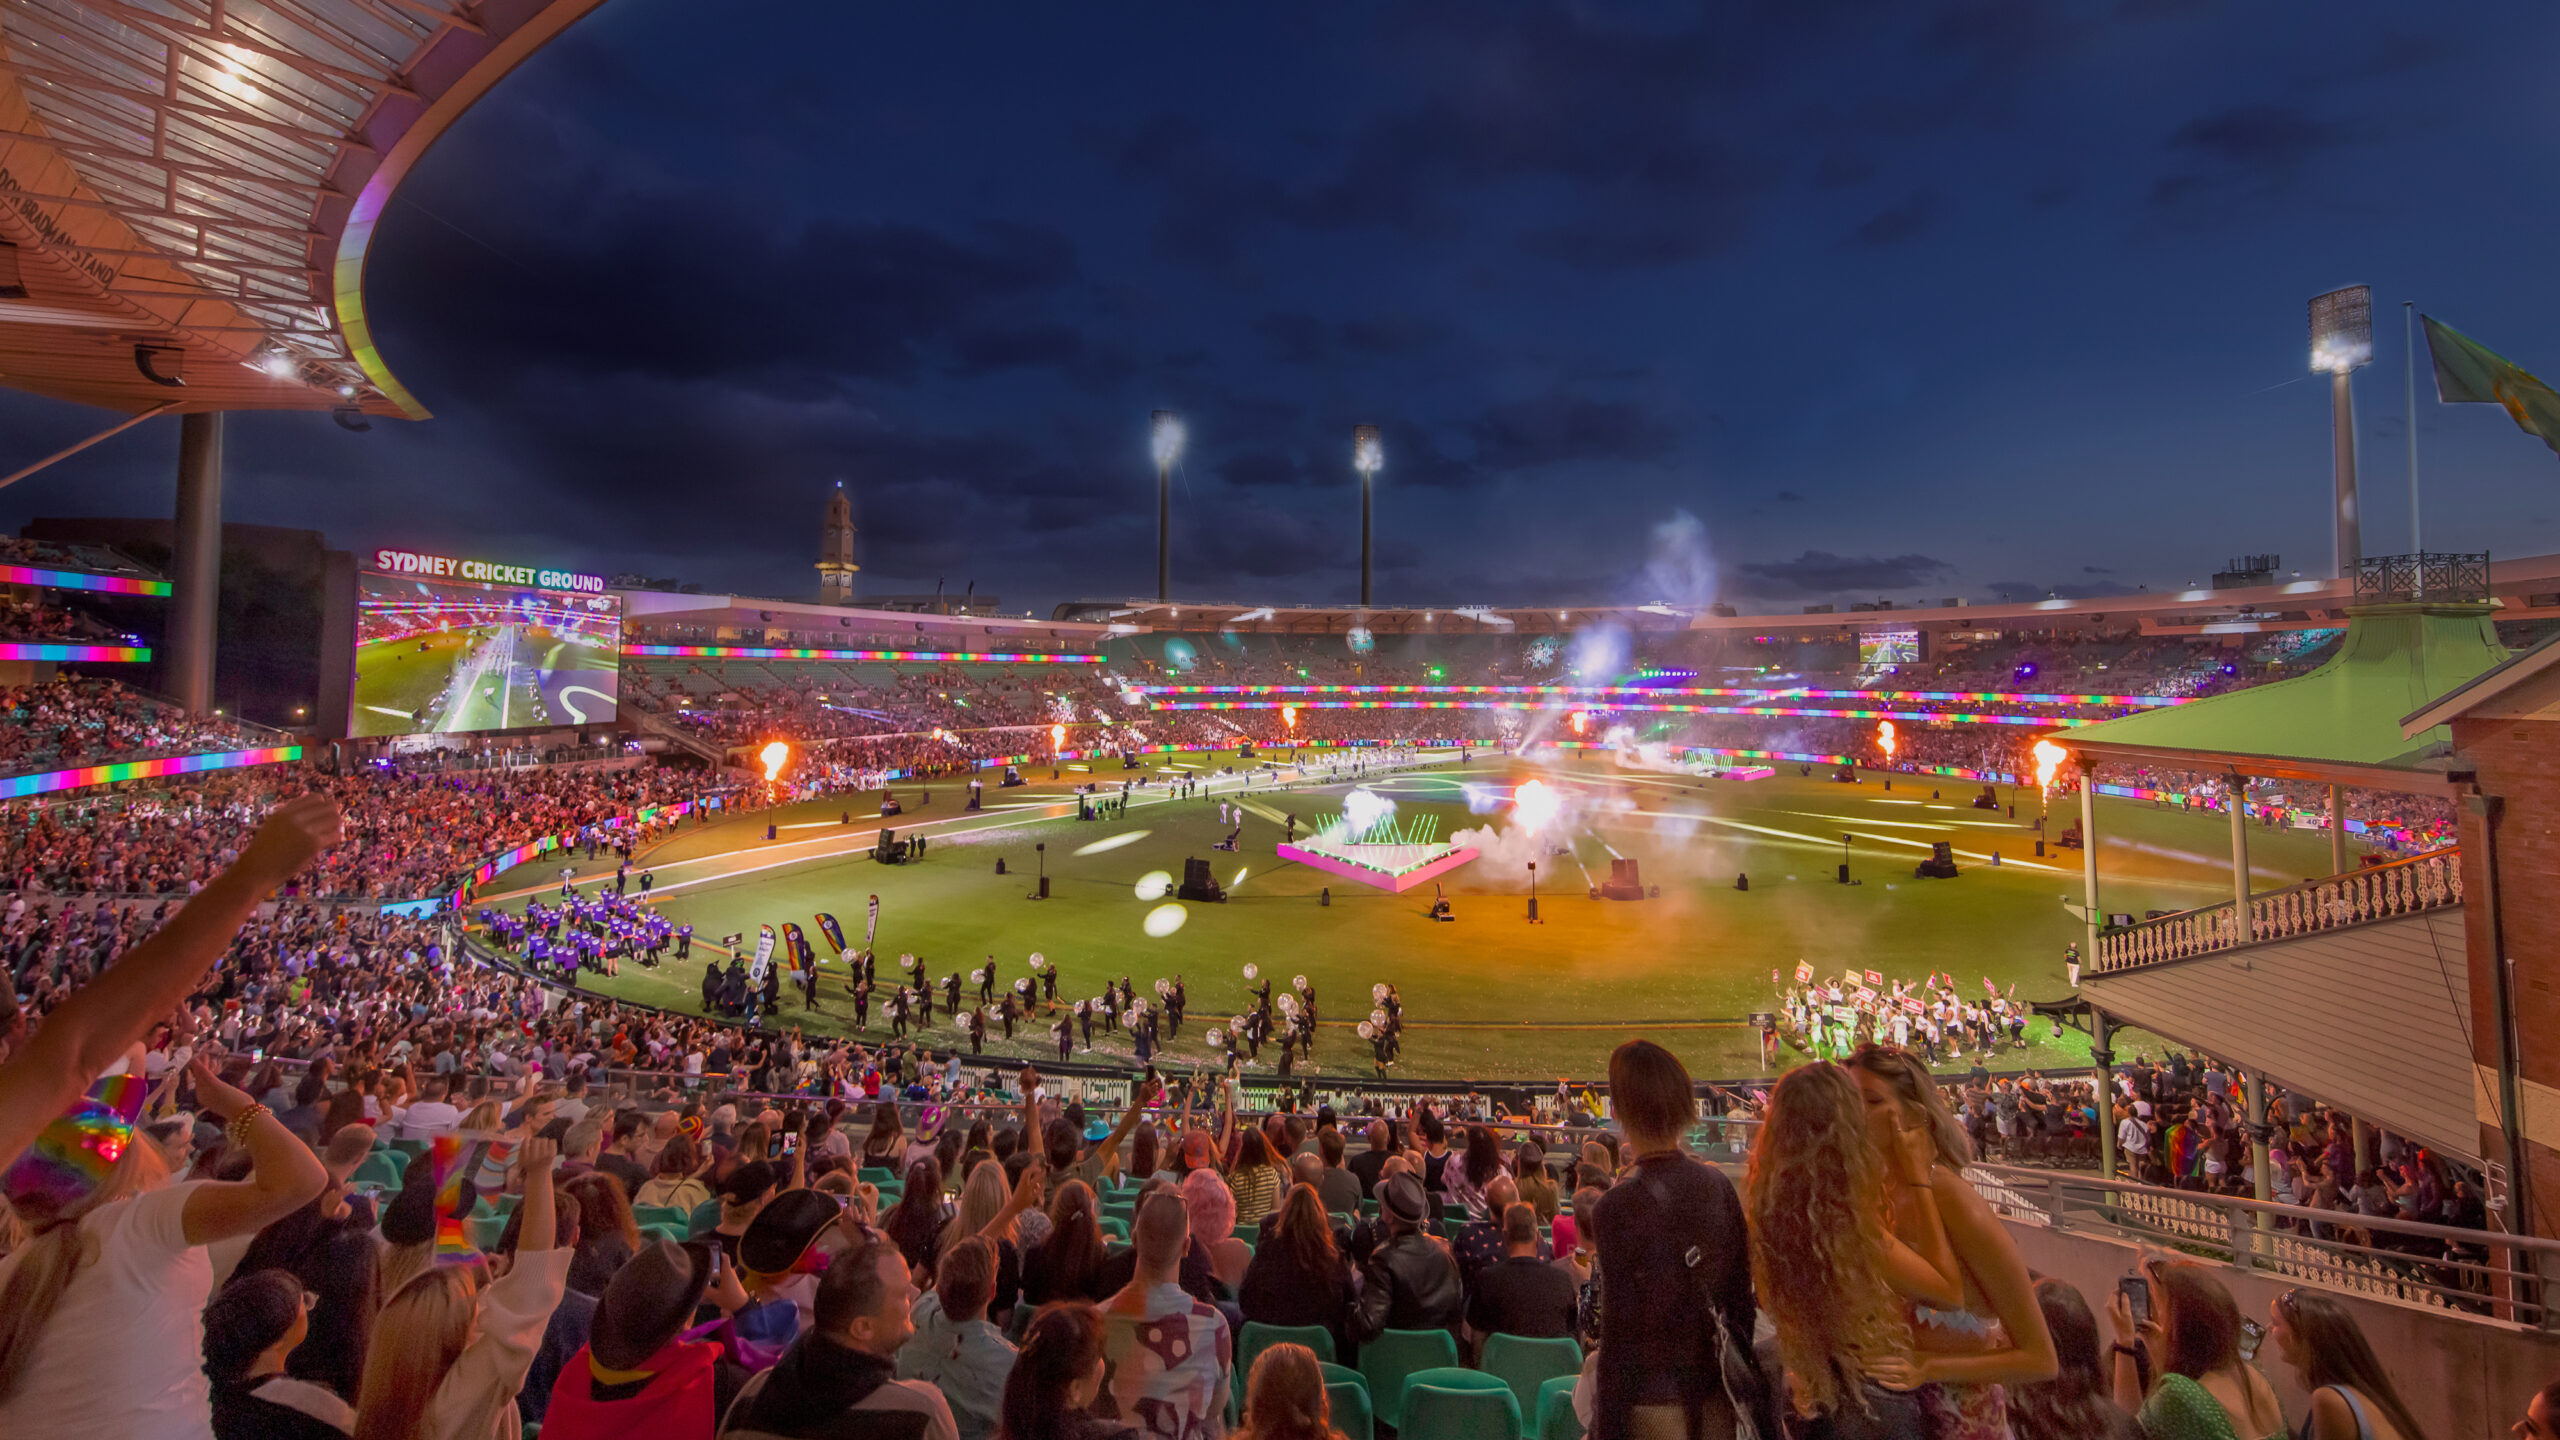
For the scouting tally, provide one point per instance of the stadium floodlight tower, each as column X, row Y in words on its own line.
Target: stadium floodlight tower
column 1367, row 457
column 2341, row 341
column 1168, row 448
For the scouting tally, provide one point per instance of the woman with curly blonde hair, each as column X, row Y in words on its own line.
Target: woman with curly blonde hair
column 1827, row 1265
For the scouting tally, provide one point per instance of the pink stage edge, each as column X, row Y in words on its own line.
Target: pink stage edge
column 1392, row 884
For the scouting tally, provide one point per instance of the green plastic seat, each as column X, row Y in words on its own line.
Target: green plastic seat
column 1257, row 1337
column 1113, row 1226
column 484, row 1230
column 1450, row 1412
column 662, row 1230
column 1452, row 1226
column 383, row 1167
column 1369, row 1207
column 1343, row 1375
column 704, row 1216
column 1556, row 1420
column 1349, row 1403
column 675, row 1215
column 876, row 1175
column 410, row 1148
column 1395, row 1354
column 1526, row 1365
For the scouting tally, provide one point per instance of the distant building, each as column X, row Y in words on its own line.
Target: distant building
column 835, row 551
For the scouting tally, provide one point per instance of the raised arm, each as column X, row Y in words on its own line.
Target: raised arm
column 283, row 1176
column 88, row 1031
column 1984, row 1247
column 1141, row 1096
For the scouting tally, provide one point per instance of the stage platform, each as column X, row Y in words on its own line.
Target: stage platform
column 1392, row 868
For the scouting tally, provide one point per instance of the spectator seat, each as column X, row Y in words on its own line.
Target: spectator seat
column 1451, row 1412
column 1395, row 1354
column 1526, row 1365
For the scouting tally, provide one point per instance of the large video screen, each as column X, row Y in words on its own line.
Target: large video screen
column 451, row 657
column 1888, row 649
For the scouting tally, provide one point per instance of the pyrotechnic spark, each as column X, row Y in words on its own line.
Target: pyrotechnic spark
column 1581, row 722
column 1533, row 804
column 1289, row 716
column 1057, row 737
column 2049, row 758
column 774, row 756
column 1884, row 738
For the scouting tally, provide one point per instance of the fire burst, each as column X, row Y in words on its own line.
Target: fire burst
column 1884, row 738
column 1057, row 738
column 1533, row 804
column 1289, row 716
column 2049, row 758
column 775, row 756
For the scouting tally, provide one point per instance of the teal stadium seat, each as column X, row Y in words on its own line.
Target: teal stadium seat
column 1556, row 1420
column 1395, row 1354
column 1449, row 1412
column 1526, row 1365
column 1257, row 1337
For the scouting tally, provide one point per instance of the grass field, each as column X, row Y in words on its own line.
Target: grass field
column 1490, row 995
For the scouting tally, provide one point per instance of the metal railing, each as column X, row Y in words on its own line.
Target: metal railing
column 2477, row 1272
column 2432, row 881
column 2446, row 577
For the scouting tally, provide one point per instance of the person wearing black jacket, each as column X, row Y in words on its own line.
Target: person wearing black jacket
column 1410, row 1281
column 1674, row 1257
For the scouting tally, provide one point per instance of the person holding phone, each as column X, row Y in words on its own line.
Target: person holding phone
column 2189, row 1330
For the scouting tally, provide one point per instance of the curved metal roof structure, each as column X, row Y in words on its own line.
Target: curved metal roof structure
column 189, row 188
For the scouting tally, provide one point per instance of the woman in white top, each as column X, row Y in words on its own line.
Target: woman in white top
column 101, row 1311
column 450, row 1352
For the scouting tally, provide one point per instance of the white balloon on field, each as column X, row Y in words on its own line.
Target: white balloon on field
column 1378, row 992
column 1252, row 971
column 1216, row 1037
column 1368, row 1031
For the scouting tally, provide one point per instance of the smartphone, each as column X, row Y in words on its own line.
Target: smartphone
column 790, row 1143
column 2252, row 1334
column 2137, row 1297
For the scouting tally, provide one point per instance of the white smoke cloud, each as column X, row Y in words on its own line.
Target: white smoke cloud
column 1679, row 569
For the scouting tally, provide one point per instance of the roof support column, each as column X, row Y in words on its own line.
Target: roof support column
column 2261, row 1183
column 2102, row 1060
column 2089, row 854
column 2337, row 829
column 2239, row 807
column 195, row 562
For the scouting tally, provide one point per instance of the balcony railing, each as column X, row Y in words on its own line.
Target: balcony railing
column 2443, row 577
column 2432, row 881
column 2479, row 1272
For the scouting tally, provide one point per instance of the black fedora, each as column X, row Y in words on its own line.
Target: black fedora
column 784, row 1230
column 649, row 1302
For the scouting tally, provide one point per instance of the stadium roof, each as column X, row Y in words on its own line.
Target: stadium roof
column 189, row 188
column 2341, row 722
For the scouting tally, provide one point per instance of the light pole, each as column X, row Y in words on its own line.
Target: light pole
column 1168, row 448
column 1367, row 457
column 1533, row 892
column 2341, row 341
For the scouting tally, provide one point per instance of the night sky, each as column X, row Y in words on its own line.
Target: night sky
column 1777, row 302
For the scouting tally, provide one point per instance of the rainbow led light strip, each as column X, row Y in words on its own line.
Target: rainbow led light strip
column 1573, row 692
column 1805, row 712
column 930, row 657
column 1799, row 756
column 75, row 580
column 87, row 775
column 74, row 652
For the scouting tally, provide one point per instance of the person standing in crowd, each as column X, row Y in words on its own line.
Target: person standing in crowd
column 2074, row 1404
column 2352, row 1397
column 1673, row 1328
column 1056, row 1379
column 847, row 1361
column 1169, row 1352
column 101, row 1329
column 1827, row 1264
column 252, row 1325
column 2203, row 1389
column 1998, row 1336
column 637, row 1375
column 451, row 1352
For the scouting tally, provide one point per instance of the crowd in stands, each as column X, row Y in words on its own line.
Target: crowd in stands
column 66, row 722
column 65, row 555
column 31, row 618
column 408, row 834
column 450, row 1220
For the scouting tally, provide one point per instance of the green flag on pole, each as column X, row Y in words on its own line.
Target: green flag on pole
column 2468, row 372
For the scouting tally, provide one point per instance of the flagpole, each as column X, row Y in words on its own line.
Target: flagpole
column 2409, row 332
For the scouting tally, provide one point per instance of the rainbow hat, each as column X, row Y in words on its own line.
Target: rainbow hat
column 73, row 1157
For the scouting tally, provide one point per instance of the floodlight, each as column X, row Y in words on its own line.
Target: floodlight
column 1367, row 455
column 1168, row 437
column 2342, row 330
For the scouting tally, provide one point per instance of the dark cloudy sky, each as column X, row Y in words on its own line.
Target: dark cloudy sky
column 1947, row 297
